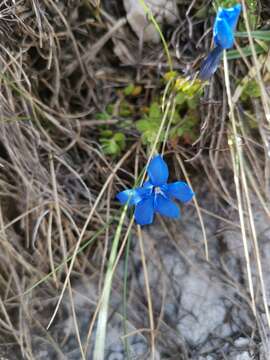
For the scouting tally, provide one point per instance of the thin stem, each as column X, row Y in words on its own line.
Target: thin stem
column 234, row 147
column 148, row 293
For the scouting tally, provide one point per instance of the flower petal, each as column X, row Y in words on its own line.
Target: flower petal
column 144, row 211
column 166, row 207
column 224, row 26
column 179, row 190
column 158, row 171
column 211, row 63
column 231, row 15
column 223, row 34
column 132, row 196
column 148, row 185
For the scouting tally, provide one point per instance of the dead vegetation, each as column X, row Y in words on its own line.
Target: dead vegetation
column 62, row 63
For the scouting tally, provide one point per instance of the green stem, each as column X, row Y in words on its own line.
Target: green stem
column 126, row 346
column 151, row 17
column 99, row 349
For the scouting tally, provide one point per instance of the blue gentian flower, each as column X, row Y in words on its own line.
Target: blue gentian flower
column 223, row 33
column 156, row 194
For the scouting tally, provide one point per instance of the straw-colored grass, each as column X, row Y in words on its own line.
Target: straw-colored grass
column 59, row 220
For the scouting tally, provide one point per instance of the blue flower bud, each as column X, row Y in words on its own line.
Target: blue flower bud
column 223, row 34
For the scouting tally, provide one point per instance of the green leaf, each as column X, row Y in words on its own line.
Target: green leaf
column 112, row 144
column 154, row 111
column 129, row 89
column 143, row 125
column 176, row 117
column 180, row 98
column 193, row 103
column 148, row 137
column 106, row 133
column 103, row 116
column 234, row 54
column 110, row 147
column 120, row 139
column 258, row 34
column 170, row 75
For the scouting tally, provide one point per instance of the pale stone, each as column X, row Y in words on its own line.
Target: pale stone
column 165, row 11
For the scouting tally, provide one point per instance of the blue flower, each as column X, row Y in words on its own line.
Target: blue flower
column 223, row 33
column 156, row 194
column 224, row 26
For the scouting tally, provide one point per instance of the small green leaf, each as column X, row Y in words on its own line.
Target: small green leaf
column 111, row 148
column 106, row 133
column 193, row 103
column 148, row 137
column 175, row 117
column 154, row 111
column 112, row 144
column 128, row 90
column 103, row 116
column 180, row 98
column 170, row 75
column 120, row 139
column 143, row 125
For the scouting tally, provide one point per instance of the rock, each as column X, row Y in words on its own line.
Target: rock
column 165, row 11
column 243, row 356
column 202, row 309
column 242, row 342
column 202, row 312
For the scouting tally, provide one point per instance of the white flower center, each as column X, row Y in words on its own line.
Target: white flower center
column 158, row 190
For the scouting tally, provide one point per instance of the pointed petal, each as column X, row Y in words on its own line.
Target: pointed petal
column 231, row 15
column 224, row 26
column 166, row 207
column 148, row 185
column 158, row 171
column 132, row 196
column 211, row 63
column 180, row 190
column 223, row 34
column 144, row 212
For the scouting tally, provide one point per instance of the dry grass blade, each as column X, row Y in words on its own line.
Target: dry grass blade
column 118, row 165
column 63, row 245
column 180, row 162
column 148, row 294
column 75, row 77
column 235, row 144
